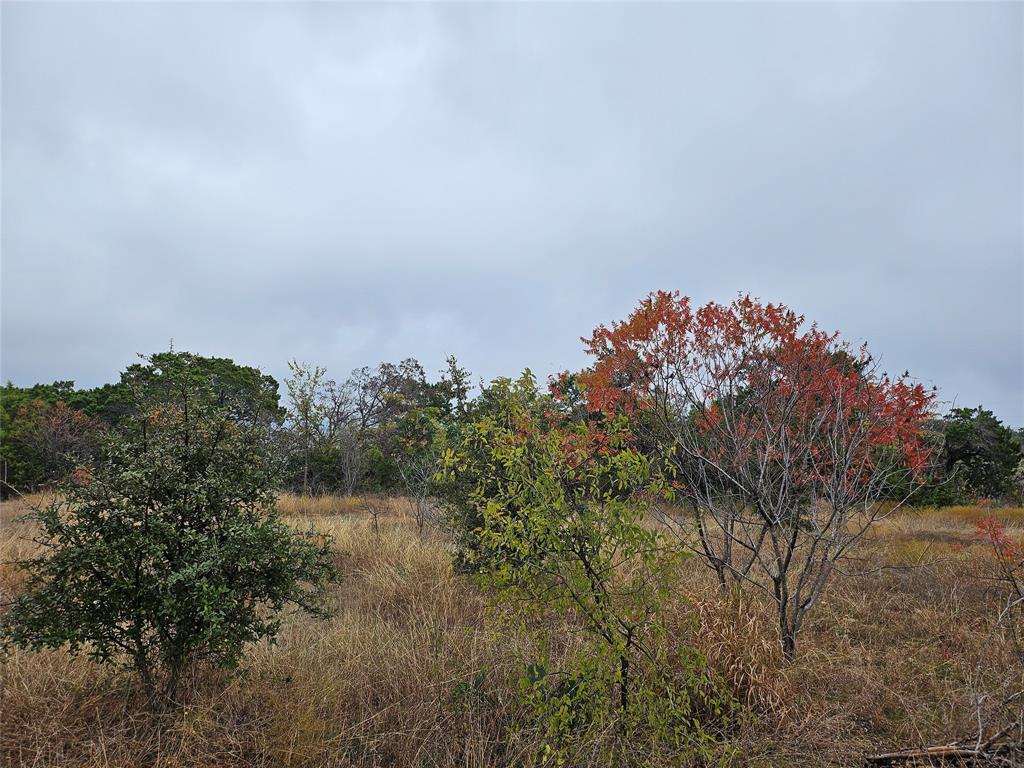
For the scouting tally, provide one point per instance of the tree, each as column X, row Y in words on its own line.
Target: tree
column 980, row 452
column 250, row 395
column 308, row 410
column 557, row 516
column 781, row 437
column 420, row 444
column 167, row 550
column 44, row 442
column 478, row 477
column 351, row 456
column 450, row 394
column 384, row 393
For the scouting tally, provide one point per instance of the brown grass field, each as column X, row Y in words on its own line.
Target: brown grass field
column 411, row 670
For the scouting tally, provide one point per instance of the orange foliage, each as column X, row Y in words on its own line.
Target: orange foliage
column 803, row 384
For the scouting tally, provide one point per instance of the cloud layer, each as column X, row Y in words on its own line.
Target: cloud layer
column 348, row 183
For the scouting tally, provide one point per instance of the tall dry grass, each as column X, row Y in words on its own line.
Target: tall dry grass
column 294, row 505
column 412, row 670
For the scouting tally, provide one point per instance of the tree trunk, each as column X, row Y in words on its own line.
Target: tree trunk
column 788, row 643
column 787, row 627
column 623, row 683
column 305, row 472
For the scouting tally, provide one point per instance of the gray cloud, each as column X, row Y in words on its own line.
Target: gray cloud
column 350, row 183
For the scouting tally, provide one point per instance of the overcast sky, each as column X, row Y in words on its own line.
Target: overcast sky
column 347, row 184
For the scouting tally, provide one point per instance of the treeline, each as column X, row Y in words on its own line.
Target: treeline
column 378, row 431
column 49, row 429
column 382, row 430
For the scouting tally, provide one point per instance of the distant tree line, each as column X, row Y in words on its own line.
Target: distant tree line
column 376, row 432
column 48, row 429
column 382, row 430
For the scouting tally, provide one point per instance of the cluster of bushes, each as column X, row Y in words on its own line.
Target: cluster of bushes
column 163, row 551
column 47, row 429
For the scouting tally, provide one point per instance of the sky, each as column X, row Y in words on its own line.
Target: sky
column 345, row 184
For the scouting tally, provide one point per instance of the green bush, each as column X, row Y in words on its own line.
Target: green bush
column 551, row 515
column 167, row 551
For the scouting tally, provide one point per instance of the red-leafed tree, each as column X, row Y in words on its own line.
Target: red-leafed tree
column 50, row 440
column 784, row 439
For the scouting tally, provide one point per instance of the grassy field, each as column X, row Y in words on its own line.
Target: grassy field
column 411, row 670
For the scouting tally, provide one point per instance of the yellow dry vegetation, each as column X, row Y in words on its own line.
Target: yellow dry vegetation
column 412, row 669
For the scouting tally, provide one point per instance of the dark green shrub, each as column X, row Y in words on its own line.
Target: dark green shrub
column 167, row 551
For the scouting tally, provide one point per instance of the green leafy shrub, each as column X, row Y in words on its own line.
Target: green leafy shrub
column 552, row 518
column 167, row 551
column 470, row 474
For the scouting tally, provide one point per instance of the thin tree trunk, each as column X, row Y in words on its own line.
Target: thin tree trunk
column 305, row 471
column 623, row 684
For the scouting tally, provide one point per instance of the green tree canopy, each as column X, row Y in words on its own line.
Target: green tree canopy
column 981, row 451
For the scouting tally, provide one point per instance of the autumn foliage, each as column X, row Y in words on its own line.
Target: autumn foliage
column 776, row 431
column 44, row 440
column 796, row 384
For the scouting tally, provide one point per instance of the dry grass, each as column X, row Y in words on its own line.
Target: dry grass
column 411, row 672
column 958, row 516
column 291, row 505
